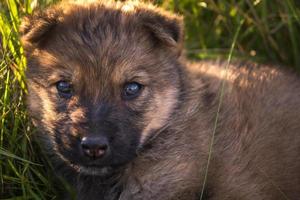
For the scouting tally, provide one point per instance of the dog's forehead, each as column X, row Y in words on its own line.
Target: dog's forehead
column 99, row 28
column 97, row 40
column 96, row 44
column 100, row 49
column 101, row 62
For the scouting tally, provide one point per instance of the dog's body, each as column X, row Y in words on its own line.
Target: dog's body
column 112, row 73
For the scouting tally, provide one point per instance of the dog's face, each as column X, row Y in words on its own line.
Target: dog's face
column 102, row 80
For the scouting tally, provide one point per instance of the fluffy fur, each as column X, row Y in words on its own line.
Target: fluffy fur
column 160, row 140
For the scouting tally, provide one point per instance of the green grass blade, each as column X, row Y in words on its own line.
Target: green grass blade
column 221, row 94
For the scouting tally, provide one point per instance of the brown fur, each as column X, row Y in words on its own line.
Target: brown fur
column 100, row 46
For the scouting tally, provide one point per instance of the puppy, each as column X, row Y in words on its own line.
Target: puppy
column 123, row 116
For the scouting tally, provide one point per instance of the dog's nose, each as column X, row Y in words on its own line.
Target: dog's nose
column 94, row 147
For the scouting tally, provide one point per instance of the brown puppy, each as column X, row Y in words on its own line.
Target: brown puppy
column 123, row 117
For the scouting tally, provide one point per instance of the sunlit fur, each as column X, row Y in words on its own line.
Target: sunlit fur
column 160, row 140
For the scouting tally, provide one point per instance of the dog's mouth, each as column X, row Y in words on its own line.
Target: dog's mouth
column 94, row 170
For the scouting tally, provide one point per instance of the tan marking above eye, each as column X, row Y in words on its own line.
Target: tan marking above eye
column 128, row 73
column 56, row 77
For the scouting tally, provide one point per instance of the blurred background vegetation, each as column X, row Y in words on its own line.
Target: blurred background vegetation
column 270, row 33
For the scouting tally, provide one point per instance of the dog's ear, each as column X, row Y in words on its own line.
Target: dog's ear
column 165, row 28
column 35, row 29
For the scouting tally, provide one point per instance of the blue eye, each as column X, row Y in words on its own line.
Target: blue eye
column 64, row 89
column 131, row 90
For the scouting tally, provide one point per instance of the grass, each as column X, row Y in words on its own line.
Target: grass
column 221, row 95
column 22, row 176
column 270, row 33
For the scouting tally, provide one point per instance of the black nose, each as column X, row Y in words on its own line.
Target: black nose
column 94, row 147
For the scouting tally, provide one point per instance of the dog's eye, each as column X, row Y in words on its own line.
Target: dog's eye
column 64, row 89
column 131, row 90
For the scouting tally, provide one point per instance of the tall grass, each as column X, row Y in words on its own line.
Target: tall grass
column 22, row 176
column 270, row 33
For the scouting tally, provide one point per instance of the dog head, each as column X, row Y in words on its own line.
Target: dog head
column 103, row 78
